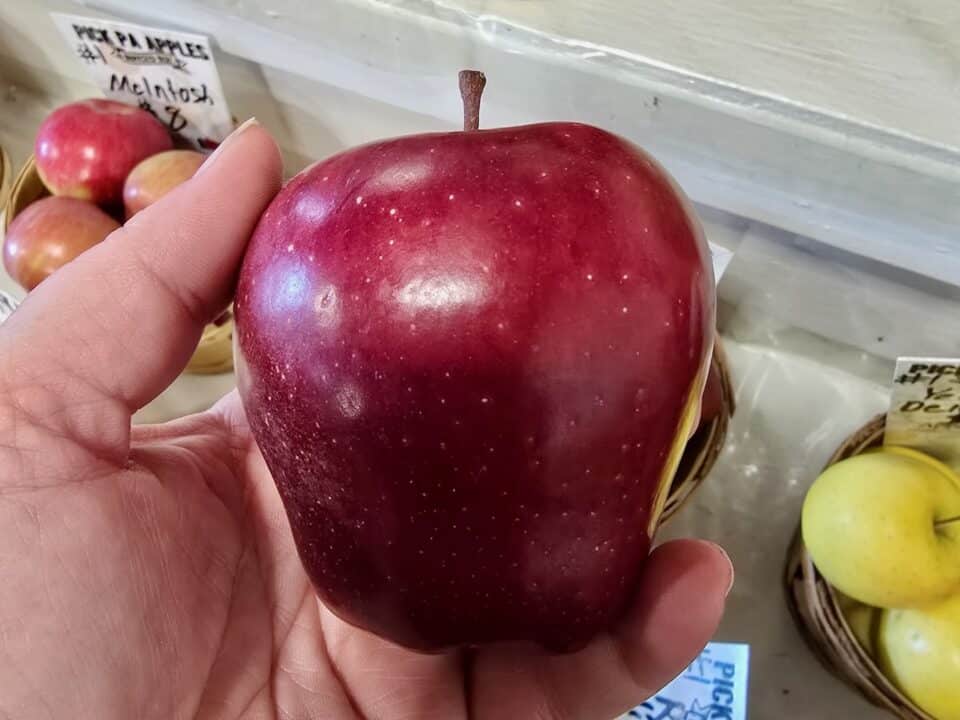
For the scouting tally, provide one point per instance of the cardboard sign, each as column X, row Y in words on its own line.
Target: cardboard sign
column 170, row 74
column 925, row 408
column 714, row 687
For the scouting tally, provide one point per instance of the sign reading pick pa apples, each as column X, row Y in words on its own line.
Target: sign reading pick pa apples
column 170, row 74
column 925, row 407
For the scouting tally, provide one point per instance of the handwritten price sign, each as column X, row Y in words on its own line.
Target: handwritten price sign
column 170, row 74
column 925, row 408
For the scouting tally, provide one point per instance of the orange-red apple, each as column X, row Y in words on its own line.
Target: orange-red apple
column 86, row 149
column 48, row 234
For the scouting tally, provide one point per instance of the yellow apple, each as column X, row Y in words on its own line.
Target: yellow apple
column 862, row 620
column 919, row 650
column 879, row 527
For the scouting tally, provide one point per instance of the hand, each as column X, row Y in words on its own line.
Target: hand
column 150, row 572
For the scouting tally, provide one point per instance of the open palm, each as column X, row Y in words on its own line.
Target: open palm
column 150, row 572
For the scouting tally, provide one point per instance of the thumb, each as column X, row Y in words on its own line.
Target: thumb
column 110, row 330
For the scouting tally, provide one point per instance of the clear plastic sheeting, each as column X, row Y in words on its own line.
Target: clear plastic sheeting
column 792, row 412
column 865, row 187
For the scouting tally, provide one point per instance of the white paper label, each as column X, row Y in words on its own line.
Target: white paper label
column 925, row 408
column 8, row 304
column 721, row 259
column 714, row 687
column 170, row 74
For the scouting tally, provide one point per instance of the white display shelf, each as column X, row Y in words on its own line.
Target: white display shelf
column 872, row 191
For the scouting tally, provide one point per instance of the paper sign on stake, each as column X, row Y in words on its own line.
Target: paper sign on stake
column 925, row 408
column 170, row 74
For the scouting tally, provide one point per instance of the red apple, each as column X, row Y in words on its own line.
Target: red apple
column 154, row 177
column 471, row 361
column 48, row 234
column 86, row 149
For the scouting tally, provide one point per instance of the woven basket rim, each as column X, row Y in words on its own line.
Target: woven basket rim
column 815, row 607
column 26, row 173
column 706, row 444
column 5, row 178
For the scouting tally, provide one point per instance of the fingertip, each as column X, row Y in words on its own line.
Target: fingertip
column 262, row 146
column 678, row 606
column 700, row 556
column 246, row 166
column 686, row 566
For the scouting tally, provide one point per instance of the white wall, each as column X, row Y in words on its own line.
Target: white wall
column 334, row 73
column 890, row 63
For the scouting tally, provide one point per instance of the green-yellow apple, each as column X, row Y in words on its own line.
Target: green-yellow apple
column 878, row 527
column 862, row 620
column 919, row 650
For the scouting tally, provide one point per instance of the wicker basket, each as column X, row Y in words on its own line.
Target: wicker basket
column 214, row 353
column 6, row 176
column 704, row 447
column 816, row 609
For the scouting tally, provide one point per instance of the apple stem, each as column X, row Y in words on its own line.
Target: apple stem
column 472, row 83
column 946, row 521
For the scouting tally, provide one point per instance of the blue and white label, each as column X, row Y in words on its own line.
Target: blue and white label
column 713, row 687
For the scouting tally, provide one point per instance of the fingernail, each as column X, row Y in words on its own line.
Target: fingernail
column 209, row 162
column 730, row 570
